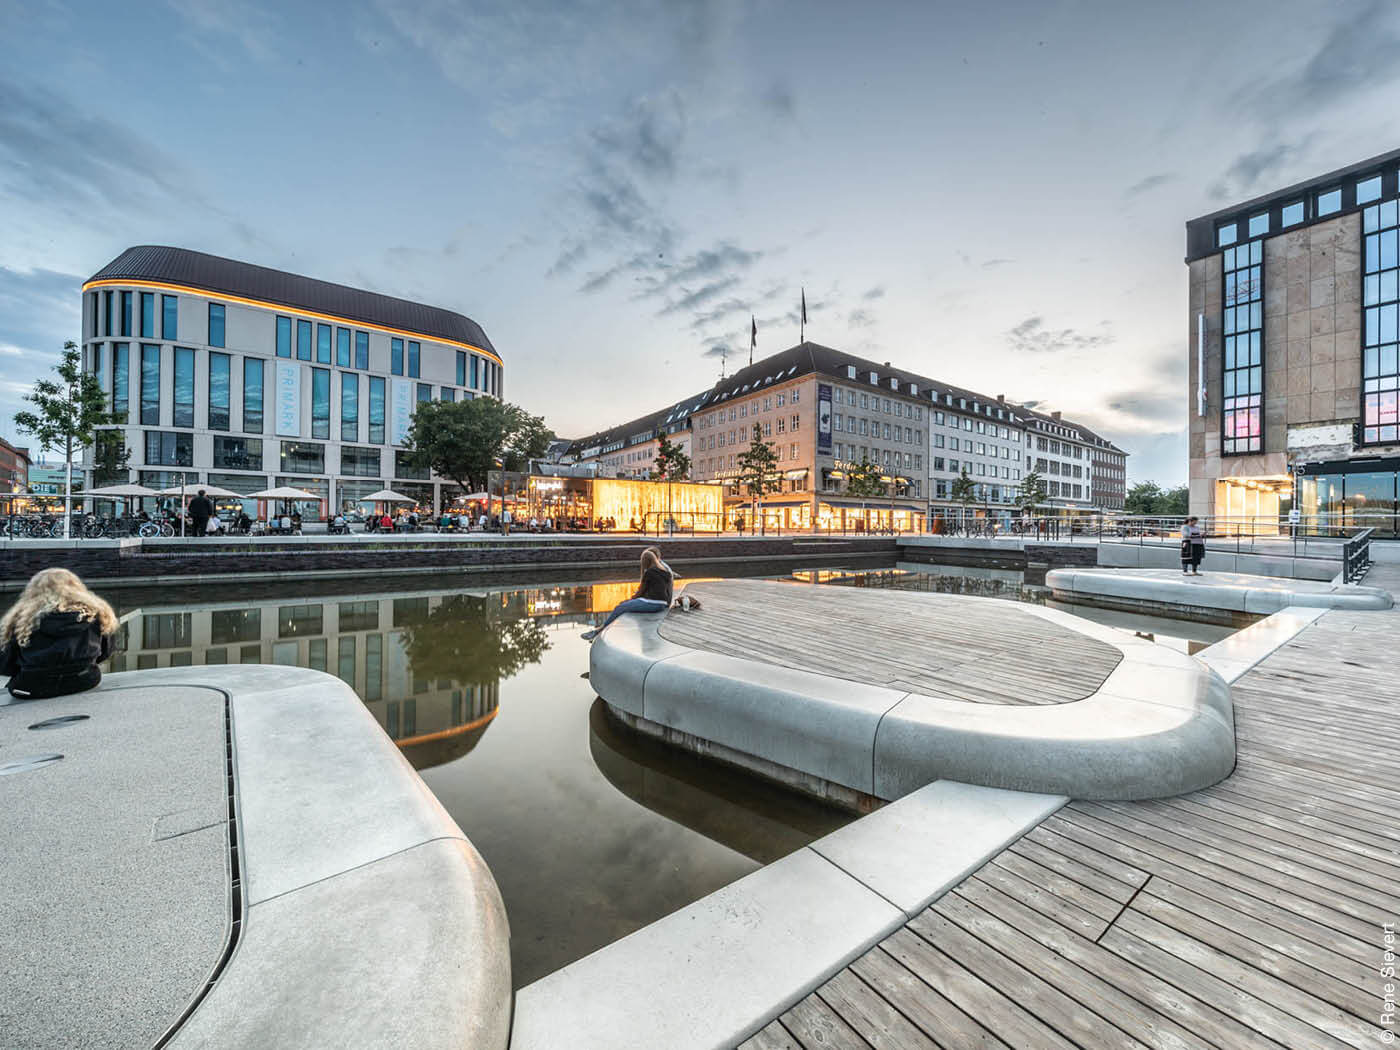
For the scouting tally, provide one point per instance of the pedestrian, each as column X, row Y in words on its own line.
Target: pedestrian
column 201, row 510
column 653, row 593
column 1193, row 546
column 505, row 522
column 54, row 636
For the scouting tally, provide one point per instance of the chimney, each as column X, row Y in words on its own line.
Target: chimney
column 1001, row 399
column 1054, row 415
column 887, row 364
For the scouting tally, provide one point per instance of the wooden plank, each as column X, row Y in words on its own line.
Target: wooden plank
column 1064, row 888
column 941, row 1019
column 772, row 1037
column 1066, row 913
column 874, row 1019
column 817, row 1027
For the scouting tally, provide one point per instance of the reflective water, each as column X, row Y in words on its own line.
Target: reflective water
column 591, row 831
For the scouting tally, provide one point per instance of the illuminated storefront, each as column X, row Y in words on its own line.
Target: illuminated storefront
column 1257, row 503
column 619, row 505
column 1351, row 494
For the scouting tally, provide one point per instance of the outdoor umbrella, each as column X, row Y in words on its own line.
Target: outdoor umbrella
column 186, row 491
column 122, row 492
column 283, row 492
column 387, row 496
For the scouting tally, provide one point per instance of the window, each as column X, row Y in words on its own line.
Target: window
column 1329, row 201
column 148, row 315
column 1380, row 369
column 296, row 621
column 1259, row 224
column 107, row 313
column 169, row 317
column 150, row 384
column 238, row 453
column 302, row 457
column 235, row 625
column 796, row 420
column 323, row 344
column 1292, row 213
column 121, row 376
column 446, row 393
column 362, row 350
column 476, row 383
column 461, row 368
column 284, row 337
column 169, row 449
column 218, row 390
column 321, row 402
column 424, row 392
column 413, row 355
column 1368, row 190
column 1226, row 234
column 303, row 340
column 166, row 631
column 359, row 462
column 1242, row 416
column 376, row 409
column 404, row 467
column 126, row 313
column 396, row 356
column 349, row 406
column 342, row 347
column 184, row 388
column 253, row 395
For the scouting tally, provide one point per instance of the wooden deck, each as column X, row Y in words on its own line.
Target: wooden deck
column 944, row 645
column 1246, row 915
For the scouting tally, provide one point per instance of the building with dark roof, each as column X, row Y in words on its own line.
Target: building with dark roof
column 1294, row 324
column 243, row 377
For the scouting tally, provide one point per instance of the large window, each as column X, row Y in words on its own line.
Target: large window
column 107, row 313
column 359, row 462
column 404, row 467
column 126, row 313
column 253, row 395
column 303, row 340
column 121, row 381
column 396, row 356
column 476, row 372
column 235, row 625
column 238, row 453
column 216, row 324
column 150, row 384
column 1242, row 415
column 284, row 337
column 362, row 350
column 321, row 402
column 376, row 409
column 148, row 315
column 302, row 457
column 424, row 392
column 461, row 368
column 349, row 406
column 218, row 391
column 184, row 388
column 342, row 347
column 323, row 344
column 1380, row 369
column 166, row 448
column 414, row 352
column 169, row 317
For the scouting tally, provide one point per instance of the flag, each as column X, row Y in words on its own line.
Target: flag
column 753, row 336
column 802, row 331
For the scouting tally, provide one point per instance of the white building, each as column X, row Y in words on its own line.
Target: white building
column 979, row 435
column 1062, row 455
column 244, row 377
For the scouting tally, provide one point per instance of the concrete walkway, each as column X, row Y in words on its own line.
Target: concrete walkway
column 1173, row 592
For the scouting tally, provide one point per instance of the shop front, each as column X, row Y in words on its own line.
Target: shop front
column 1347, row 495
column 1257, row 505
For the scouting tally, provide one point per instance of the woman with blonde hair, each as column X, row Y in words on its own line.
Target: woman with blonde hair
column 54, row 636
column 653, row 592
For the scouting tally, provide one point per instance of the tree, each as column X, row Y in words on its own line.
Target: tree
column 1143, row 498
column 110, row 457
column 1032, row 493
column 67, row 415
column 464, row 440
column 964, row 490
column 671, row 463
column 758, row 465
column 865, row 480
column 1175, row 502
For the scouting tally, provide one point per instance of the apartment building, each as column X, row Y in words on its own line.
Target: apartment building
column 982, row 437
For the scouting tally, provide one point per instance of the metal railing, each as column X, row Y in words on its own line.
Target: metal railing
column 1356, row 556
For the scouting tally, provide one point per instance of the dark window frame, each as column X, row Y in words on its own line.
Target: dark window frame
column 219, row 361
column 252, row 424
column 217, row 309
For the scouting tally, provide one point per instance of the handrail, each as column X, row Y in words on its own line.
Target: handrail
column 1356, row 556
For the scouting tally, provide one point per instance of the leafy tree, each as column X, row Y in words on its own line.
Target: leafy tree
column 464, row 440
column 1032, row 493
column 110, row 457
column 758, row 466
column 964, row 489
column 865, row 480
column 671, row 463
column 1143, row 498
column 66, row 414
column 465, row 641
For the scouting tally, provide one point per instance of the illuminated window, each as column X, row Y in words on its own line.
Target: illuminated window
column 1380, row 369
column 1242, row 417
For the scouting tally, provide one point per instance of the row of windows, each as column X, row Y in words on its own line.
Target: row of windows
column 982, row 470
column 1325, row 202
column 1380, row 364
column 874, row 428
column 1056, row 448
column 171, row 448
column 741, row 410
column 1242, row 422
column 980, row 493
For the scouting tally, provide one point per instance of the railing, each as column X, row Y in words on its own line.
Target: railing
column 1356, row 556
column 1314, row 536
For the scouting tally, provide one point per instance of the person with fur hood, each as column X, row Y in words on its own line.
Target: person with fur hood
column 54, row 636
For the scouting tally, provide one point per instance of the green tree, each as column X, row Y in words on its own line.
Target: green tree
column 1143, row 498
column 964, row 490
column 758, row 468
column 671, row 463
column 1175, row 501
column 865, row 480
column 110, row 458
column 1032, row 493
column 66, row 415
column 464, row 440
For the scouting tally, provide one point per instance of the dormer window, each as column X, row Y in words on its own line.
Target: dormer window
column 914, row 389
column 850, row 371
column 875, row 378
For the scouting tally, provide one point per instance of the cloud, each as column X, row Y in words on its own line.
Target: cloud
column 1151, row 182
column 778, row 100
column 648, row 138
column 689, row 300
column 878, row 292
column 992, row 264
column 1033, row 337
column 252, row 27
column 1248, row 169
column 860, row 319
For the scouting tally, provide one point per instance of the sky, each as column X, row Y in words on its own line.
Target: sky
column 990, row 194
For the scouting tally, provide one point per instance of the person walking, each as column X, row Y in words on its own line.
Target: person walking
column 505, row 522
column 54, row 636
column 201, row 510
column 653, row 593
column 1193, row 546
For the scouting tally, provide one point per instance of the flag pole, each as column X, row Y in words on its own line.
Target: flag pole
column 753, row 337
column 802, row 329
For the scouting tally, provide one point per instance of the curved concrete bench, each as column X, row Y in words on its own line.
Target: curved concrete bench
column 368, row 919
column 1162, row 590
column 1161, row 724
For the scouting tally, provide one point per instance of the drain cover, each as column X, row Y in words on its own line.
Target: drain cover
column 24, row 765
column 61, row 720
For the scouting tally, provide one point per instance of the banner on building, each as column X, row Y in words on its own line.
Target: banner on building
column 823, row 418
column 400, row 409
column 287, row 378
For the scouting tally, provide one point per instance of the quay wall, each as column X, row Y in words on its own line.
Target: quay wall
column 1033, row 559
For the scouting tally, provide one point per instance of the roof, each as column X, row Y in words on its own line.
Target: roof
column 1086, row 435
column 212, row 273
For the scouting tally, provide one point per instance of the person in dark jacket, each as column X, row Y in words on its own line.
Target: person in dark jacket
column 653, row 592
column 54, row 636
column 201, row 510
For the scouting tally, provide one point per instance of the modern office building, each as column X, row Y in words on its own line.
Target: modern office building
column 1292, row 337
column 244, row 377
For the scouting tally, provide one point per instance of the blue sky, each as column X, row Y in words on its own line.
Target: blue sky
column 991, row 194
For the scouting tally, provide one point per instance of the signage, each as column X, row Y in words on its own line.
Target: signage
column 823, row 418
column 1295, row 516
column 400, row 409
column 287, row 399
column 1200, row 364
